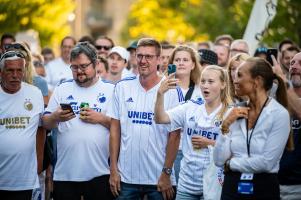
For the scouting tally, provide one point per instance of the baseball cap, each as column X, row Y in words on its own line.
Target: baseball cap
column 133, row 45
column 208, row 56
column 122, row 52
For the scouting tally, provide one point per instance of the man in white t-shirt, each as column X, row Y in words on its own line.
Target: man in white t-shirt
column 21, row 107
column 82, row 167
column 58, row 70
column 138, row 146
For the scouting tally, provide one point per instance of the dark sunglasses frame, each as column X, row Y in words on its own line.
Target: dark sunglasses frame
column 107, row 48
column 10, row 54
column 14, row 46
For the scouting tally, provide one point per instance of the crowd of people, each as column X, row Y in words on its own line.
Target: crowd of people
column 111, row 122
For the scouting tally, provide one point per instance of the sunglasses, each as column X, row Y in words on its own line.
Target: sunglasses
column 99, row 47
column 14, row 46
column 10, row 54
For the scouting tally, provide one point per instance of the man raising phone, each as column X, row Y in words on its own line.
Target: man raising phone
column 82, row 167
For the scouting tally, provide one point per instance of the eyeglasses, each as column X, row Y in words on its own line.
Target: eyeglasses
column 99, row 47
column 147, row 57
column 82, row 67
column 10, row 54
column 38, row 64
column 13, row 46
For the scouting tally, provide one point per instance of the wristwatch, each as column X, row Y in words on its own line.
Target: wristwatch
column 167, row 170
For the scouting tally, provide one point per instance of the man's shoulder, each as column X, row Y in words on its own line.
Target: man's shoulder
column 65, row 83
column 126, row 81
column 31, row 89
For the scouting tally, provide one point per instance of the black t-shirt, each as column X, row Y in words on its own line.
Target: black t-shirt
column 290, row 164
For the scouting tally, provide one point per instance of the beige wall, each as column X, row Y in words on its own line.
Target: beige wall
column 98, row 17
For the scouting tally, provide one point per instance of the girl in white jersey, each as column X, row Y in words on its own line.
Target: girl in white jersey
column 188, row 72
column 201, row 125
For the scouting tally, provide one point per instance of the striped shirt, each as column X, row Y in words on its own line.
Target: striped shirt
column 143, row 142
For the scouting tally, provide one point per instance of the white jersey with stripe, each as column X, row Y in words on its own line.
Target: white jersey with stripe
column 196, row 96
column 193, row 118
column 82, row 148
column 143, row 142
column 20, row 115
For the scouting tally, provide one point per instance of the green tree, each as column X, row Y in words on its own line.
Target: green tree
column 198, row 20
column 47, row 17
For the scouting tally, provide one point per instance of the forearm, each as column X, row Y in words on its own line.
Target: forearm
column 114, row 144
column 105, row 121
column 40, row 143
column 161, row 116
column 172, row 147
column 49, row 121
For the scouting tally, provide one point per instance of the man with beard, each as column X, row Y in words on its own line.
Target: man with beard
column 290, row 164
column 82, row 167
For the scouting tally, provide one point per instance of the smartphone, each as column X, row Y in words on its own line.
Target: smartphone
column 271, row 52
column 171, row 69
column 66, row 106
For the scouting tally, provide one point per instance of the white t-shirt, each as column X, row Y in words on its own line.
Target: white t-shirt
column 56, row 72
column 193, row 118
column 143, row 142
column 20, row 115
column 82, row 148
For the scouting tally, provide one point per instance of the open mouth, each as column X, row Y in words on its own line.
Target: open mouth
column 206, row 93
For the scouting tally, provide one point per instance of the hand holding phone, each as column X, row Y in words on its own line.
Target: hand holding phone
column 66, row 106
column 271, row 52
column 171, row 69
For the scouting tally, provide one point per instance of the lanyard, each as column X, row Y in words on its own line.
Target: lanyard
column 247, row 124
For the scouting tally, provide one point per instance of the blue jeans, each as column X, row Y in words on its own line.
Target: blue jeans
column 137, row 192
column 187, row 196
column 177, row 164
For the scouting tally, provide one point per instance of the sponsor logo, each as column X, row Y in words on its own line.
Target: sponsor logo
column 192, row 119
column 15, row 122
column 70, row 97
column 141, row 117
column 208, row 134
column 130, row 100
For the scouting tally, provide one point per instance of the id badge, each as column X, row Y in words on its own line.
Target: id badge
column 246, row 176
column 245, row 188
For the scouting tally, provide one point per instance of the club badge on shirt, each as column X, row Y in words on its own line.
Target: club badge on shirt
column 28, row 105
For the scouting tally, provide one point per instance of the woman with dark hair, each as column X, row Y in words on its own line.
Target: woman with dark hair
column 254, row 137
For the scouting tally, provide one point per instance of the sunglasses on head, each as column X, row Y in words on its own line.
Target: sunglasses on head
column 14, row 46
column 10, row 54
column 99, row 47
